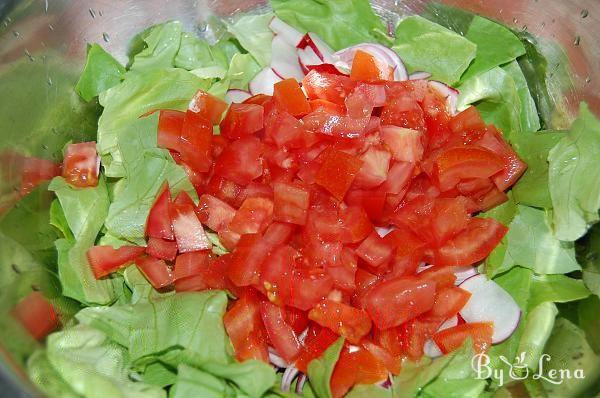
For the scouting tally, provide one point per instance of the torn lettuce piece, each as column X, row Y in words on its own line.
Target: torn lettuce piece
column 341, row 23
column 101, row 72
column 320, row 369
column 573, row 179
column 160, row 46
column 427, row 46
column 529, row 119
column 255, row 36
column 196, row 54
column 46, row 378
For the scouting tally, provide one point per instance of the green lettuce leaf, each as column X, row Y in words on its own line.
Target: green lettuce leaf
column 141, row 290
column 369, row 391
column 321, row 369
column 101, row 72
column 195, row 54
column 252, row 377
column 532, row 189
column 574, row 183
column 46, row 378
column 530, row 243
column 192, row 382
column 529, row 119
column 589, row 321
column 94, row 366
column 159, row 374
column 589, row 250
column 496, row 45
column 341, row 23
column 254, row 34
column 161, row 45
column 242, row 70
column 535, row 333
column 427, row 46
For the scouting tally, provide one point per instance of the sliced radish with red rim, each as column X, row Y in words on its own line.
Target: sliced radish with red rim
column 285, row 60
column 264, row 81
column 291, row 36
column 430, row 348
column 237, row 96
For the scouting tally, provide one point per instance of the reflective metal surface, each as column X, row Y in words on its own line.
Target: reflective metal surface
column 43, row 45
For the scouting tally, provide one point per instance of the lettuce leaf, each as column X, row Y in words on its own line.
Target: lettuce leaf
column 254, row 34
column 529, row 119
column 589, row 251
column 46, row 378
column 341, row 23
column 161, row 45
column 101, row 72
column 535, row 333
column 496, row 45
column 427, row 46
column 321, row 369
column 252, row 377
column 192, row 382
column 587, row 314
column 94, row 366
column 369, row 391
column 196, row 54
column 573, row 181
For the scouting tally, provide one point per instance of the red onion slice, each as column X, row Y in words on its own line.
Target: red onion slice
column 377, row 50
column 288, row 377
column 276, row 360
column 419, row 75
column 300, row 383
column 450, row 93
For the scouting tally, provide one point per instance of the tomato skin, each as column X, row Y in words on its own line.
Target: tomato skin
column 331, row 87
column 36, row 314
column 393, row 364
column 308, row 288
column 105, row 260
column 289, row 96
column 347, row 321
column 81, row 164
column 188, row 231
column 356, row 365
column 443, row 277
column 242, row 120
column 156, row 271
column 214, row 213
column 317, row 341
column 472, row 245
column 158, row 224
column 393, row 302
column 366, row 67
column 195, row 142
column 514, row 167
column 464, row 163
column 403, row 112
column 240, row 161
column 163, row 249
column 408, row 253
column 375, row 250
column 467, row 121
column 416, row 332
column 253, row 216
column 449, row 217
column 297, row 319
column 374, row 170
column 448, row 302
column 170, row 124
column 285, row 131
column 291, row 203
column 208, row 106
column 453, row 338
column 281, row 335
column 190, row 264
column 337, row 172
column 405, row 144
column 276, row 274
column 356, row 223
column 251, row 251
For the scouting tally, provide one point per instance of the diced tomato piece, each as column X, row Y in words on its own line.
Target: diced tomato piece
column 289, row 96
column 324, row 224
column 464, row 163
column 291, row 203
column 398, row 178
column 343, row 272
column 285, row 131
column 195, row 142
column 33, row 171
column 405, row 144
column 393, row 364
column 364, row 98
column 254, row 216
column 356, row 223
column 336, row 126
column 393, row 302
column 315, row 346
column 448, row 302
column 437, row 119
column 105, row 260
column 258, row 99
column 493, row 198
column 188, row 231
column 416, row 332
column 403, row 112
column 156, row 271
column 81, row 165
column 205, row 272
column 393, row 340
column 170, row 124
column 413, row 89
column 356, row 365
column 453, row 338
column 242, row 120
column 158, row 224
column 331, row 87
column 276, row 274
column 367, row 68
column 472, row 245
column 281, row 335
column 347, row 321
column 214, row 213
column 475, row 187
column 375, row 250
column 297, row 319
column 337, row 172
column 448, row 217
column 240, row 161
column 327, row 106
column 442, row 276
column 224, row 189
column 374, row 170
column 371, row 201
column 244, row 269
column 467, row 121
column 163, row 249
column 278, row 233
column 190, row 264
column 208, row 106
column 229, row 239
column 36, row 314
column 256, row 190
column 308, row 288
column 244, row 326
column 408, row 253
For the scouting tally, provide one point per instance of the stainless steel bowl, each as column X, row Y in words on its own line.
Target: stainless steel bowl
column 43, row 47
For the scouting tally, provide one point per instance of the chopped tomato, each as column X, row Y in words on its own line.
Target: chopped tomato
column 442, row 276
column 244, row 326
column 327, row 106
column 336, row 126
column 491, row 199
column 242, row 120
column 374, row 170
column 391, row 363
column 190, row 264
column 453, row 338
column 449, row 216
column 285, row 131
column 244, row 269
column 288, row 95
column 416, row 332
column 337, row 172
column 331, row 87
column 356, row 224
column 405, row 144
column 254, row 216
column 368, row 68
column 343, row 272
column 372, row 202
column 208, row 106
column 156, row 271
column 448, row 301
column 408, row 253
column 170, row 124
column 356, row 365
column 315, row 344
column 188, row 231
column 403, row 112
column 280, row 333
column 308, row 288
column 291, row 203
column 365, row 97
column 347, row 321
column 467, row 121
column 214, row 213
column 259, row 99
column 514, row 167
column 81, row 165
column 163, row 249
column 158, row 224
column 276, row 274
column 240, row 161
column 413, row 89
column 278, row 233
column 393, row 340
column 37, row 315
column 393, row 302
column 375, row 250
column 398, row 178
column 195, row 142
column 462, row 163
column 105, row 260
column 224, row 189
column 297, row 319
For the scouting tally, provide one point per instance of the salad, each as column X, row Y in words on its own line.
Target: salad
column 319, row 203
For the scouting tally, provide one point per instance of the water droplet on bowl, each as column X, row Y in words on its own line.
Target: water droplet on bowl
column 44, row 147
column 584, row 13
column 106, row 37
column 92, row 13
column 28, row 54
column 515, row 20
column 100, row 13
column 524, row 28
column 49, row 83
column 577, row 40
column 543, row 24
column 15, row 33
column 588, row 80
column 50, row 27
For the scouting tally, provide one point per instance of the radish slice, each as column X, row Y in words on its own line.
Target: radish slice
column 307, row 57
column 419, row 75
column 423, row 267
column 464, row 273
column 235, row 95
column 287, row 33
column 285, row 64
column 263, row 82
column 322, row 49
column 490, row 303
column 451, row 95
column 383, row 231
column 377, row 50
column 430, row 348
column 276, row 360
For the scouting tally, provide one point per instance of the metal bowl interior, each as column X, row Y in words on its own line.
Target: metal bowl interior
column 43, row 47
